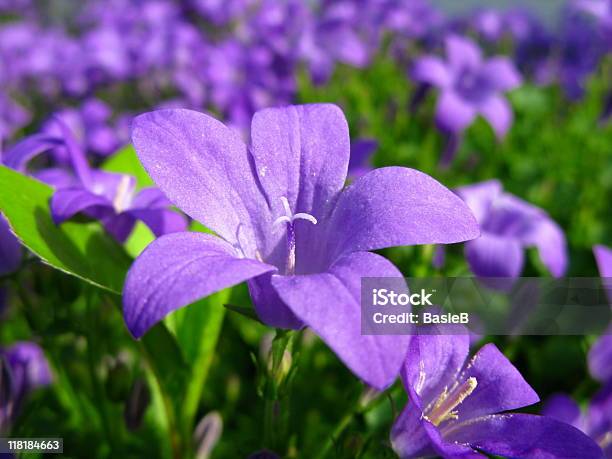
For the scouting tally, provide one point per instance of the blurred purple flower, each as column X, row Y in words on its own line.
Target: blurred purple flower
column 508, row 226
column 111, row 198
column 600, row 355
column 596, row 421
column 284, row 224
column 220, row 12
column 333, row 36
column 469, row 86
column 91, row 127
column 457, row 407
column 360, row 159
column 27, row 370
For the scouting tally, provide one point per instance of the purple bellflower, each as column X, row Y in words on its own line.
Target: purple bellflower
column 284, row 224
column 108, row 197
column 27, row 370
column 458, row 407
column 595, row 421
column 112, row 199
column 469, row 86
column 508, row 226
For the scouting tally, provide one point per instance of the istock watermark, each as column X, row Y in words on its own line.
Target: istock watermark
column 487, row 306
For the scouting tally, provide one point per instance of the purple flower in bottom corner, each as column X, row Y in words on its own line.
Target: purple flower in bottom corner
column 458, row 407
column 469, row 86
column 509, row 225
column 595, row 421
column 284, row 224
column 23, row 368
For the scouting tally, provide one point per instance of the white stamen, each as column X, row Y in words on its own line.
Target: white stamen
column 289, row 217
column 122, row 196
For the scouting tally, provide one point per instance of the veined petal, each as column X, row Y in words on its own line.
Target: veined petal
column 178, row 269
column 526, row 436
column 329, row 303
column 434, row 361
column 500, row 386
column 150, row 198
column 10, row 249
column 204, row 168
column 432, row 70
column 495, row 256
column 67, row 202
column 301, row 153
column 396, row 206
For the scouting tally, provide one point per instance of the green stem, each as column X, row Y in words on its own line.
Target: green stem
column 338, row 431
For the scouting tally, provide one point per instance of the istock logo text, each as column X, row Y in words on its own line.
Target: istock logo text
column 384, row 297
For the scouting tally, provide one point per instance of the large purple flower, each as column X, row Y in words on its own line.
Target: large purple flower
column 284, row 224
column 508, row 226
column 595, row 421
column 469, row 86
column 23, row 368
column 458, row 407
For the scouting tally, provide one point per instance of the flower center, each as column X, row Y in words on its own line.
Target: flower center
column 289, row 219
column 444, row 407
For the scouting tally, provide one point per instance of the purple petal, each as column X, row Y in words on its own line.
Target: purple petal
column 453, row 114
column 480, row 196
column 501, row 73
column 160, row 221
column 409, row 438
column 434, row 361
column 330, row 304
column 600, row 358
column 270, row 309
column 150, row 198
column 500, row 385
column 562, row 408
column 21, row 153
column 56, row 177
column 495, row 256
column 462, row 53
column 10, row 249
column 75, row 152
column 67, row 202
column 525, row 436
column 178, row 269
column 603, row 257
column 432, row 70
column 119, row 226
column 301, row 153
column 496, row 110
column 395, row 206
column 361, row 152
column 204, row 168
column 29, row 367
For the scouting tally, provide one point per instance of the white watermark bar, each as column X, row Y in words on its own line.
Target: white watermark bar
column 486, row 306
column 31, row 445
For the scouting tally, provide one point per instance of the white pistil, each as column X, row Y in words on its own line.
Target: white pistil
column 122, row 196
column 444, row 407
column 289, row 220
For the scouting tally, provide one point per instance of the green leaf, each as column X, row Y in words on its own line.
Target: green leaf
column 82, row 250
column 125, row 161
column 197, row 329
column 140, row 238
